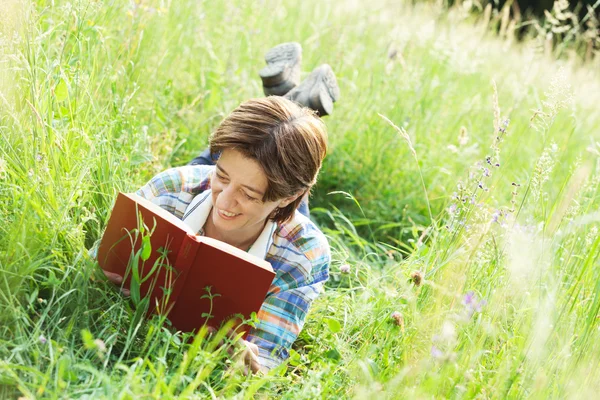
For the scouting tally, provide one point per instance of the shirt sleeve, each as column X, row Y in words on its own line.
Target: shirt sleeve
column 281, row 318
column 174, row 189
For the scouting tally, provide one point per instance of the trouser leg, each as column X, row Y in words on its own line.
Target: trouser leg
column 204, row 158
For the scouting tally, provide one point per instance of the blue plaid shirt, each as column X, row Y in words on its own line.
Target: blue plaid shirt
column 297, row 250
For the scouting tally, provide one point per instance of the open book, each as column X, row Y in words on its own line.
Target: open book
column 191, row 279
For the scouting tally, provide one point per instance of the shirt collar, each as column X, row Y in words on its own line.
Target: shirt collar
column 199, row 209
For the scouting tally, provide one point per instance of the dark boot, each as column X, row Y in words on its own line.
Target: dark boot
column 318, row 91
column 282, row 72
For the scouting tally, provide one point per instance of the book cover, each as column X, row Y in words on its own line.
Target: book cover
column 192, row 279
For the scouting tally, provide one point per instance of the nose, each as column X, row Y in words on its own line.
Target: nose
column 227, row 199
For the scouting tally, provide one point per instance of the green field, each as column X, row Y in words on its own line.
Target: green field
column 461, row 192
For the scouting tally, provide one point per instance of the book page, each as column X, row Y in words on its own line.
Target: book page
column 158, row 210
column 227, row 248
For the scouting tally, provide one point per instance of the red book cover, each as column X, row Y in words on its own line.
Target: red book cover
column 177, row 280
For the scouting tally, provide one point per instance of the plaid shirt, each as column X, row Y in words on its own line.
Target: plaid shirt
column 297, row 251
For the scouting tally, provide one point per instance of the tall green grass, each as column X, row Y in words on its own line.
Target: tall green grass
column 492, row 294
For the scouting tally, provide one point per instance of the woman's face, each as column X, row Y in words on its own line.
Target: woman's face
column 238, row 186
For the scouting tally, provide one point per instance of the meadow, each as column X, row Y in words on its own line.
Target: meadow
column 460, row 197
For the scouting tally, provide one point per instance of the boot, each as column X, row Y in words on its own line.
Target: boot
column 318, row 91
column 282, row 72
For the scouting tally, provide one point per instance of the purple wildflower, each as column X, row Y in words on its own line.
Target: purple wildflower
column 472, row 303
column 469, row 298
column 345, row 269
column 42, row 339
column 496, row 215
column 436, row 353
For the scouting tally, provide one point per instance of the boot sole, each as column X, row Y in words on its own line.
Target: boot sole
column 279, row 90
column 325, row 92
column 281, row 62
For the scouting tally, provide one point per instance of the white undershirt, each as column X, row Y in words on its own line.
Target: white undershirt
column 197, row 213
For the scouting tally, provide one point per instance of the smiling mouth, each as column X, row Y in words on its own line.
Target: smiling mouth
column 227, row 214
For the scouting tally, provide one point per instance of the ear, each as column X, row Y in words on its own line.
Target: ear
column 288, row 200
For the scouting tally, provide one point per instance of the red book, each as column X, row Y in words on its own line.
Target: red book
column 177, row 280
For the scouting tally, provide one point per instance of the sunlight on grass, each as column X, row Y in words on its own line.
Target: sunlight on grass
column 463, row 224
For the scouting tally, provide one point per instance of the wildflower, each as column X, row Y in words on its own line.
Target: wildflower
column 39, row 157
column 436, row 353
column 452, row 209
column 42, row 339
column 472, row 303
column 398, row 319
column 345, row 269
column 100, row 345
column 496, row 215
column 416, row 277
column 469, row 298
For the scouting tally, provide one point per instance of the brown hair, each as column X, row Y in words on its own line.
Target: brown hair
column 288, row 141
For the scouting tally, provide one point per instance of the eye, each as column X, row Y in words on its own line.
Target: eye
column 221, row 178
column 250, row 197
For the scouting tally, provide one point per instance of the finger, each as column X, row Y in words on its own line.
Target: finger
column 211, row 330
column 222, row 342
column 253, row 347
column 251, row 357
column 114, row 278
column 230, row 351
column 256, row 367
column 254, row 364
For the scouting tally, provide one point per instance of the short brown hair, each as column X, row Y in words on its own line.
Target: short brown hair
column 288, row 141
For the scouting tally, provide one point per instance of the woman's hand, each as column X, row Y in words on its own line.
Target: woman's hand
column 117, row 280
column 249, row 357
column 243, row 351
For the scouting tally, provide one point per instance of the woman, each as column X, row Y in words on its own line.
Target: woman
column 271, row 150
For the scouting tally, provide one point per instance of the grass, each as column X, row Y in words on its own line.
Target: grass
column 496, row 288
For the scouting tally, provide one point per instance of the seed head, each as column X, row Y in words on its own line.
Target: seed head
column 463, row 136
column 416, row 277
